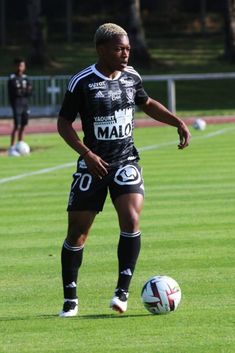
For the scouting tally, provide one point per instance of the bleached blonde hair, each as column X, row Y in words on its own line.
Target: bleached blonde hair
column 108, row 31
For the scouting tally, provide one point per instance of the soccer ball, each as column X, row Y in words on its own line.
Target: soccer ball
column 23, row 148
column 161, row 295
column 199, row 124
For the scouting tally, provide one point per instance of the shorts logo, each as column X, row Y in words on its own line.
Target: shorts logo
column 128, row 175
column 71, row 197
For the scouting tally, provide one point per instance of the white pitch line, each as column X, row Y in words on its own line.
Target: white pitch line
column 165, row 144
column 159, row 145
column 218, row 132
column 141, row 149
column 36, row 172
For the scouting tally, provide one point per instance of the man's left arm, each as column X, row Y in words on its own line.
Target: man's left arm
column 29, row 88
column 159, row 112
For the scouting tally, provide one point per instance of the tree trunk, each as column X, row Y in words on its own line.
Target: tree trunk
column 3, row 23
column 230, row 30
column 203, row 16
column 38, row 55
column 69, row 11
column 134, row 27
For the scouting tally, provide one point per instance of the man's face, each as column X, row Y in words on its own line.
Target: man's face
column 114, row 54
column 21, row 67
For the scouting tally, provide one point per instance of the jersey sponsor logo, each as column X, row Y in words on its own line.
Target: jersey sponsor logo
column 24, row 83
column 99, row 94
column 114, row 132
column 114, row 127
column 127, row 81
column 104, row 119
column 97, row 85
column 115, row 95
column 127, row 175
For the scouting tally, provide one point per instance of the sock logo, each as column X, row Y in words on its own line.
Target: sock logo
column 71, row 285
column 127, row 272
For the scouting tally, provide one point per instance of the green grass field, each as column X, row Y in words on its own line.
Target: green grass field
column 188, row 227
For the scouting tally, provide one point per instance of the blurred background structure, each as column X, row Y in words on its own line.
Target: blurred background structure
column 168, row 37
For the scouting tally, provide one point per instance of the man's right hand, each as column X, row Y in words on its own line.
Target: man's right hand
column 96, row 165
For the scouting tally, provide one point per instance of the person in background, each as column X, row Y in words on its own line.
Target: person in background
column 105, row 95
column 19, row 91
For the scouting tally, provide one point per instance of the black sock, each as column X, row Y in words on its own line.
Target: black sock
column 128, row 252
column 71, row 260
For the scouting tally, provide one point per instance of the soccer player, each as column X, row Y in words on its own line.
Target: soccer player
column 19, row 91
column 105, row 95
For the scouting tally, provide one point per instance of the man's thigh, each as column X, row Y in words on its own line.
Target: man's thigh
column 25, row 117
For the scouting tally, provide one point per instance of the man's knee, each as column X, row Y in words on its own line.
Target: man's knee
column 129, row 221
column 77, row 231
column 129, row 207
column 78, row 226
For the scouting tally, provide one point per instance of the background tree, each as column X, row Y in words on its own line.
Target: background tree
column 38, row 53
column 230, row 30
column 3, row 22
column 203, row 16
column 132, row 22
column 69, row 10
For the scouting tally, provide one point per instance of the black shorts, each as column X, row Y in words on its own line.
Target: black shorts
column 89, row 194
column 20, row 115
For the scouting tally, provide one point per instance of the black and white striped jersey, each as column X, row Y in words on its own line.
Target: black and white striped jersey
column 106, row 108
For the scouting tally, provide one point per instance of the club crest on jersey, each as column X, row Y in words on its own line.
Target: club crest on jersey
column 127, row 175
column 130, row 95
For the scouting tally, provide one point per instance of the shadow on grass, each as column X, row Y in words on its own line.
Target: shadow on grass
column 79, row 317
column 110, row 316
column 4, row 151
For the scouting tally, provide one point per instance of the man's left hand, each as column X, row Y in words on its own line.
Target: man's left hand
column 184, row 136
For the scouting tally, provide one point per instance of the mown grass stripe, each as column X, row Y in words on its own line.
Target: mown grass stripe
column 141, row 149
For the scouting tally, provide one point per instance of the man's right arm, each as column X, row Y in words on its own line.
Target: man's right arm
column 67, row 132
column 96, row 165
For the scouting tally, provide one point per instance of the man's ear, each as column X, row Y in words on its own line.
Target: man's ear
column 100, row 49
